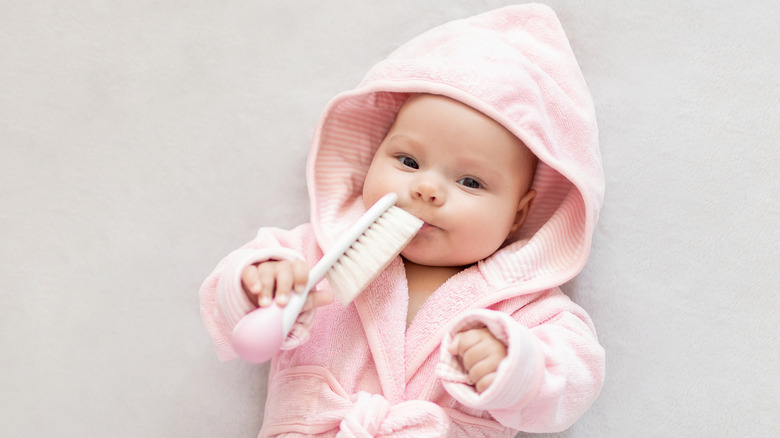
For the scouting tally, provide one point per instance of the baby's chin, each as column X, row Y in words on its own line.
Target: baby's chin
column 427, row 259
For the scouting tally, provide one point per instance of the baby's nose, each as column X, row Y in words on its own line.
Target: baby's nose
column 428, row 191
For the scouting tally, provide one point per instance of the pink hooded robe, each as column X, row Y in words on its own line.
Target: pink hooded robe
column 358, row 370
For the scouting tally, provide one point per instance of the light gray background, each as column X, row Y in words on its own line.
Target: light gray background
column 141, row 141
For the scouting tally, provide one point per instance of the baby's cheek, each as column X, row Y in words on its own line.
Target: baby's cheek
column 483, row 241
column 369, row 192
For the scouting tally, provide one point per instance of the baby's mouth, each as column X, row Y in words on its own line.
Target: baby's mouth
column 428, row 226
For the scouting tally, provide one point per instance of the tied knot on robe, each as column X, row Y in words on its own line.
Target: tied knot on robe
column 371, row 415
column 315, row 403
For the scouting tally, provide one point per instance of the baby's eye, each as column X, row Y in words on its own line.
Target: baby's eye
column 470, row 183
column 408, row 162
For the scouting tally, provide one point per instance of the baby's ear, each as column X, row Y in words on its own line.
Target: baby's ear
column 522, row 210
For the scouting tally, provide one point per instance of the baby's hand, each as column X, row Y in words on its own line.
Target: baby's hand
column 480, row 353
column 265, row 281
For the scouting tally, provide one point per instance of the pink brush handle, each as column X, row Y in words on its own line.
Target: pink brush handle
column 259, row 334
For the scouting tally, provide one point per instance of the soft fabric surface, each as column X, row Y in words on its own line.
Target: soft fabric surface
column 142, row 141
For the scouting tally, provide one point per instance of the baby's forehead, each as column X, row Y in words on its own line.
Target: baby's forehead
column 423, row 112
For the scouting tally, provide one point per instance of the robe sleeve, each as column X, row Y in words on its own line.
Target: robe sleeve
column 222, row 300
column 551, row 375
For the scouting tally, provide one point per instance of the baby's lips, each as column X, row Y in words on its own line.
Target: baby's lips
column 428, row 225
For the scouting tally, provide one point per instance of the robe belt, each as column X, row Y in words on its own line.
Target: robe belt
column 312, row 402
column 371, row 415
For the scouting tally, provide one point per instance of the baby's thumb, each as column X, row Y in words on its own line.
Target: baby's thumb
column 454, row 345
column 317, row 299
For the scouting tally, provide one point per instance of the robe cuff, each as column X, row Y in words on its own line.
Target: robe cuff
column 234, row 304
column 518, row 375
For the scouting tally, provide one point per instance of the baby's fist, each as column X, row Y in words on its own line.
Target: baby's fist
column 266, row 281
column 480, row 353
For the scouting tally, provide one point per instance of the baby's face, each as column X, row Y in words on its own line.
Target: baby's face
column 458, row 170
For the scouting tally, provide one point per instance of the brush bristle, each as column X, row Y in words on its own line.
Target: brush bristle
column 371, row 253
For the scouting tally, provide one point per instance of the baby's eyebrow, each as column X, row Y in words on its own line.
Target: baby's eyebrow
column 485, row 169
column 405, row 140
column 479, row 164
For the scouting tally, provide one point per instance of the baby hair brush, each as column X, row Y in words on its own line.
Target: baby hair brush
column 361, row 253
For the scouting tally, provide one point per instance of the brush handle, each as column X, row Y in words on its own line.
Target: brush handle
column 260, row 333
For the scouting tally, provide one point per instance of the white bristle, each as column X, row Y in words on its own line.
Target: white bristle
column 359, row 254
column 371, row 253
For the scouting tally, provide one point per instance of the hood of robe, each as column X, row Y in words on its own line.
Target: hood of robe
column 513, row 64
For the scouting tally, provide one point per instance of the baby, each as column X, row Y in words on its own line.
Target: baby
column 467, row 332
column 468, row 178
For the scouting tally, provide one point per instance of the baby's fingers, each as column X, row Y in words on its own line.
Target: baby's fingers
column 251, row 283
column 317, row 299
column 267, row 275
column 478, row 373
column 300, row 272
column 274, row 279
column 480, row 354
column 484, row 382
column 464, row 341
column 290, row 276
